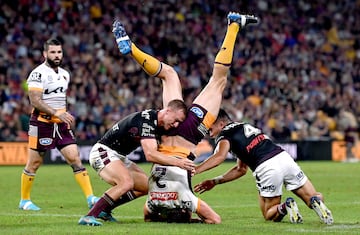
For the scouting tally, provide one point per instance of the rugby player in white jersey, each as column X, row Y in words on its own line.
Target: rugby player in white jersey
column 50, row 124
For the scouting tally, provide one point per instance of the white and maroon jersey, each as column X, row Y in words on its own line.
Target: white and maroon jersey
column 52, row 84
column 170, row 188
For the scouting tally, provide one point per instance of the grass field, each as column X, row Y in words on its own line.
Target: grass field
column 62, row 203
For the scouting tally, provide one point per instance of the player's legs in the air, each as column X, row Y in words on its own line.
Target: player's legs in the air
column 211, row 96
column 150, row 64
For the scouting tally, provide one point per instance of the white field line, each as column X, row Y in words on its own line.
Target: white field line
column 26, row 213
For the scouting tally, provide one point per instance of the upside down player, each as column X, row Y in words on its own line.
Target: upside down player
column 271, row 166
column 170, row 192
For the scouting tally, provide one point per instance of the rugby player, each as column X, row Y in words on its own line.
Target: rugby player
column 170, row 190
column 272, row 168
column 50, row 124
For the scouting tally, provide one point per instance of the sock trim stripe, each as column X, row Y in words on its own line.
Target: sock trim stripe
column 122, row 39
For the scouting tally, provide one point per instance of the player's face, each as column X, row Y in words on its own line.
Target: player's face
column 173, row 118
column 54, row 55
column 215, row 129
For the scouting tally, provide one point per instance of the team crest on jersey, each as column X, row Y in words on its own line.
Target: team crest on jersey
column 45, row 141
column 35, row 77
column 50, row 78
column 198, row 112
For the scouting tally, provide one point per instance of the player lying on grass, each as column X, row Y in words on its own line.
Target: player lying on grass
column 272, row 168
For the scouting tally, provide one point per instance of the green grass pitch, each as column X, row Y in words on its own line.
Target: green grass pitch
column 62, row 203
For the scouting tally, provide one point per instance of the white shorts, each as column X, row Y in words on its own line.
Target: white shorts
column 273, row 173
column 101, row 155
column 170, row 187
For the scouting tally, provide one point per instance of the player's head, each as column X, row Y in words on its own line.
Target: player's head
column 222, row 119
column 53, row 52
column 173, row 114
column 179, row 216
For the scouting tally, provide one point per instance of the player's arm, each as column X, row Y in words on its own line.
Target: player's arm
column 219, row 155
column 235, row 172
column 35, row 97
column 149, row 146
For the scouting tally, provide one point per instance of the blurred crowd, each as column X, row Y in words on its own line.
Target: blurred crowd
column 296, row 74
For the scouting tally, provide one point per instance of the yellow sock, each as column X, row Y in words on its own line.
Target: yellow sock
column 83, row 179
column 27, row 180
column 225, row 55
column 150, row 64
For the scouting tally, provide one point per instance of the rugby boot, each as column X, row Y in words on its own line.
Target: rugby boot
column 242, row 20
column 122, row 39
column 321, row 210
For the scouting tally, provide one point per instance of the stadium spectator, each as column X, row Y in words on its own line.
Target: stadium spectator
column 50, row 124
column 272, row 168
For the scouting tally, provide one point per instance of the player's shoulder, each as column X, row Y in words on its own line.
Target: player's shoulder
column 41, row 68
column 64, row 72
column 233, row 125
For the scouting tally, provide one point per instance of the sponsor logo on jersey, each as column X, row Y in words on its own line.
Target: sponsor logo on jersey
column 145, row 114
column 164, row 196
column 198, row 112
column 57, row 90
column 202, row 129
column 255, row 142
column 186, row 204
column 45, row 141
column 147, row 130
column 35, row 77
column 300, row 175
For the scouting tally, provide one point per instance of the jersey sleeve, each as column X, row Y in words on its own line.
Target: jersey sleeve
column 35, row 80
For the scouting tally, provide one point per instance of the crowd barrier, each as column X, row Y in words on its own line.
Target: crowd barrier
column 15, row 153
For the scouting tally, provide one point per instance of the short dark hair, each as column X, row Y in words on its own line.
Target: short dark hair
column 177, row 105
column 53, row 42
column 223, row 116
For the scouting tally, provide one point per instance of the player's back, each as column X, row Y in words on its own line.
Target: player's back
column 125, row 135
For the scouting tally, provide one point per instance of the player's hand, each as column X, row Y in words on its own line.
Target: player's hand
column 204, row 186
column 65, row 117
column 187, row 164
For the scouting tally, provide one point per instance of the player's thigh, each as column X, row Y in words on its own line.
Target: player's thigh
column 171, row 84
column 140, row 178
column 116, row 173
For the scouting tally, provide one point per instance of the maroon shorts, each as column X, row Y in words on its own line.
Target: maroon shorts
column 44, row 136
